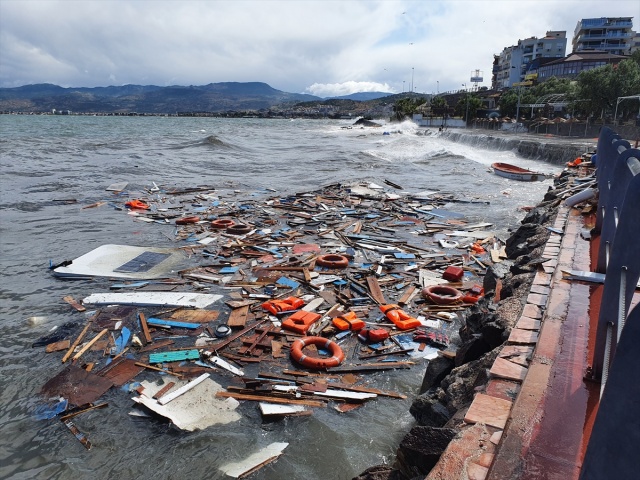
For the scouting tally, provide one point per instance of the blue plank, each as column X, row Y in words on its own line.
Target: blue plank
column 171, row 323
column 287, row 282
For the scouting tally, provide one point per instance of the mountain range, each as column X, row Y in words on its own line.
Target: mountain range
column 214, row 97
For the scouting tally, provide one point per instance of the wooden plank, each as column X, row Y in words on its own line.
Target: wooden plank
column 156, row 345
column 195, row 315
column 370, row 367
column 151, row 367
column 406, row 296
column 145, row 327
column 313, row 305
column 57, row 346
column 342, row 394
column 182, row 390
column 163, row 390
column 380, row 393
column 231, row 338
column 88, row 345
column 266, row 398
column 79, row 338
column 84, row 410
column 78, row 434
column 307, row 274
column 238, row 317
column 255, row 461
column 72, row 301
column 374, row 288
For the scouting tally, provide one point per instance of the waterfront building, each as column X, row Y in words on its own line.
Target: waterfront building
column 512, row 65
column 610, row 34
column 576, row 62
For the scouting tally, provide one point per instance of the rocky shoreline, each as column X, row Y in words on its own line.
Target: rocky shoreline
column 450, row 384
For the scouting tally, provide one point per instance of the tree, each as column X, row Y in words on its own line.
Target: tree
column 474, row 103
column 405, row 107
column 599, row 88
column 508, row 102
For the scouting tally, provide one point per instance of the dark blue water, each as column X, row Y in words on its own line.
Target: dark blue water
column 46, row 162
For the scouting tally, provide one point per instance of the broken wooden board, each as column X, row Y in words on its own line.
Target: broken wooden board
column 267, row 398
column 374, row 288
column 57, row 346
column 195, row 316
column 344, row 395
column 238, row 316
column 73, row 302
column 121, row 372
column 195, row 410
column 280, row 410
column 153, row 299
column 183, row 389
column 76, row 385
column 254, row 461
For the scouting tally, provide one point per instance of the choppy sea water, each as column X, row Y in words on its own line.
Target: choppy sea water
column 47, row 160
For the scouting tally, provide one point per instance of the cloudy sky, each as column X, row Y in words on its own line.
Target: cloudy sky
column 328, row 47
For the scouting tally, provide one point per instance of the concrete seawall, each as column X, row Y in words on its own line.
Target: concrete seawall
column 554, row 150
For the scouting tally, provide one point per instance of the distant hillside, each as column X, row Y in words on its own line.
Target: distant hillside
column 361, row 96
column 214, row 97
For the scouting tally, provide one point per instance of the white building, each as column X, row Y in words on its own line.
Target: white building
column 609, row 34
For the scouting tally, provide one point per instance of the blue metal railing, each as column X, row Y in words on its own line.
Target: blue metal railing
column 616, row 432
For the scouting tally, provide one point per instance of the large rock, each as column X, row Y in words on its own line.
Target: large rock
column 421, row 448
column 471, row 350
column 455, row 392
column 495, row 273
column 437, row 369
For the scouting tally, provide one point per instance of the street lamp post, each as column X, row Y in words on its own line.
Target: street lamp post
column 518, row 106
column 466, row 116
column 402, row 86
column 438, row 87
column 411, row 79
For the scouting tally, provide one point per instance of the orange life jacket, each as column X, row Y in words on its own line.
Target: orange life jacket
column 399, row 317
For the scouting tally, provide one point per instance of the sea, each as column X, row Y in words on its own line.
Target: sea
column 53, row 166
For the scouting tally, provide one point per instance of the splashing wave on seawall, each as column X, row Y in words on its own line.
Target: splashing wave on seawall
column 557, row 152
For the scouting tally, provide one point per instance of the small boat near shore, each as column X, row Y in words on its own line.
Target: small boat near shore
column 513, row 172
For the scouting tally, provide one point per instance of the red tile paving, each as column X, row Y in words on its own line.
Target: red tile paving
column 552, row 416
column 550, row 421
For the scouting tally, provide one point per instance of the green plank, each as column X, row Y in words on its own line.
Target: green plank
column 174, row 356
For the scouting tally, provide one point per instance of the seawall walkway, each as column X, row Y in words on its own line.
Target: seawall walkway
column 535, row 417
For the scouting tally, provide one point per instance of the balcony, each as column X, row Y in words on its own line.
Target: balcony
column 603, row 22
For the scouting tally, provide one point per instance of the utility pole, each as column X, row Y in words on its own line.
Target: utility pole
column 411, row 79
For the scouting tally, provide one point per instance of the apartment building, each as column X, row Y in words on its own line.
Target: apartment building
column 608, row 34
column 513, row 63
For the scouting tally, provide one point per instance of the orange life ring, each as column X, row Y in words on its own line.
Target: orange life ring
column 336, row 358
column 442, row 295
column 187, row 220
column 222, row 223
column 238, row 229
column 332, row 261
